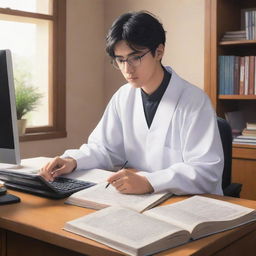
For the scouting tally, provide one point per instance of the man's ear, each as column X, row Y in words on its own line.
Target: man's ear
column 160, row 51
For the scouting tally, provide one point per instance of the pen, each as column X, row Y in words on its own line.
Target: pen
column 119, row 170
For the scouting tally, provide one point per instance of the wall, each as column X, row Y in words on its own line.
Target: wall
column 85, row 74
column 91, row 80
column 184, row 22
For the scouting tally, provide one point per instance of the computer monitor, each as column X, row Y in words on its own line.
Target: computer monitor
column 9, row 139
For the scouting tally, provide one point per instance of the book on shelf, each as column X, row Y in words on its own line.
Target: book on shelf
column 246, row 75
column 248, row 135
column 100, row 197
column 234, row 35
column 242, row 139
column 248, row 22
column 251, row 126
column 162, row 227
column 241, row 89
column 251, row 75
column 237, row 75
column 250, row 132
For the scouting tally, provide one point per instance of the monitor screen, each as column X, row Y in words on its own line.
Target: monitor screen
column 9, row 140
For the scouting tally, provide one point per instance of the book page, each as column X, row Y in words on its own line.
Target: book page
column 195, row 210
column 127, row 230
column 93, row 175
column 98, row 197
column 28, row 165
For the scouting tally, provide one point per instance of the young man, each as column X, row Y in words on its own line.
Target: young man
column 163, row 126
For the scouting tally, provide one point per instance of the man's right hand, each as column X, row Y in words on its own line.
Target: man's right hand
column 58, row 166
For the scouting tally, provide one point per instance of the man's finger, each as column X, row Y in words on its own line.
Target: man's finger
column 58, row 171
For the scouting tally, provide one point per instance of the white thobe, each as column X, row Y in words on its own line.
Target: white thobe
column 181, row 152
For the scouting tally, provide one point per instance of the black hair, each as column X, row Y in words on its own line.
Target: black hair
column 138, row 29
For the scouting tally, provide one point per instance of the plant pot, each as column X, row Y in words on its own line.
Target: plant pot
column 21, row 126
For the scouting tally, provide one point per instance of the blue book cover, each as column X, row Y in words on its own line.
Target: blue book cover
column 226, row 75
column 231, row 74
column 221, row 74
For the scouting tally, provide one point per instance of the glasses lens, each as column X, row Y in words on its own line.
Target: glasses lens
column 134, row 61
column 115, row 65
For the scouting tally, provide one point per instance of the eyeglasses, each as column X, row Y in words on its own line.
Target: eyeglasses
column 133, row 61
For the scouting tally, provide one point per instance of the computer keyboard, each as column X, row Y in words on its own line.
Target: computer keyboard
column 66, row 184
column 61, row 187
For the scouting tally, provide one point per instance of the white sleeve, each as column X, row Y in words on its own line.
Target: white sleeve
column 202, row 154
column 105, row 144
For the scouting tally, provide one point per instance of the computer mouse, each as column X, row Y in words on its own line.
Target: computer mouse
column 3, row 190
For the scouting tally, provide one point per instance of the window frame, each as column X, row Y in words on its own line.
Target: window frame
column 57, row 93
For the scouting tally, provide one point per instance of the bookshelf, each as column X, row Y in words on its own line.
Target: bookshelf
column 222, row 16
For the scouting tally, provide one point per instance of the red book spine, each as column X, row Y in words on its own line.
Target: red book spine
column 251, row 75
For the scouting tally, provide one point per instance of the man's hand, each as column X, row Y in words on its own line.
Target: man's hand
column 127, row 181
column 58, row 166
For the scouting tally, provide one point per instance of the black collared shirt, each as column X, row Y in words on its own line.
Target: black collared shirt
column 151, row 101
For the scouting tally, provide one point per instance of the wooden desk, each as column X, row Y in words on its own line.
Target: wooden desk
column 34, row 227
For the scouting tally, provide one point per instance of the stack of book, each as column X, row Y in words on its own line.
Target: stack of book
column 248, row 135
column 234, row 35
column 237, row 75
column 248, row 27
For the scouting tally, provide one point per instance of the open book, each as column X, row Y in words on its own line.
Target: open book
column 98, row 197
column 162, row 227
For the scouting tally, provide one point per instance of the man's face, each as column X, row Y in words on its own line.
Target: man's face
column 141, row 75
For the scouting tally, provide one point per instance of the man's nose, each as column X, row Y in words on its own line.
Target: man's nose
column 128, row 68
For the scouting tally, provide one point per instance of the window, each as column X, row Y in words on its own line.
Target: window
column 34, row 30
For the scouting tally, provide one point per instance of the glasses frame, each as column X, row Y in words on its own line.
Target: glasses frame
column 122, row 65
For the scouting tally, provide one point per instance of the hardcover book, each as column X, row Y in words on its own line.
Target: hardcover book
column 162, row 227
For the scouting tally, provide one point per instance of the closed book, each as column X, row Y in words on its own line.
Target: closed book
column 255, row 73
column 236, row 32
column 244, row 137
column 160, row 228
column 231, row 75
column 250, row 25
column 242, row 76
column 253, row 25
column 226, row 74
column 247, row 132
column 247, row 25
column 244, row 141
column 251, row 75
column 234, row 35
column 221, row 74
column 241, row 38
column 251, row 126
column 236, row 75
column 246, row 75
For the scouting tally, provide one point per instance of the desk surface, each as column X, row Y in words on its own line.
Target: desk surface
column 43, row 219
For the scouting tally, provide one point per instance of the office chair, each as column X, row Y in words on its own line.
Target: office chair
column 229, row 189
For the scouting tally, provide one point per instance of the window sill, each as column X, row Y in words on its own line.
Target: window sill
column 46, row 135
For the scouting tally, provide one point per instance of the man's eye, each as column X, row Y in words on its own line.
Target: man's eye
column 135, row 58
column 120, row 60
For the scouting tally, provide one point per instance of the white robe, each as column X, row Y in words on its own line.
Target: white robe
column 181, row 152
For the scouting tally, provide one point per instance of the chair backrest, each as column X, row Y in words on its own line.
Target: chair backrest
column 226, row 139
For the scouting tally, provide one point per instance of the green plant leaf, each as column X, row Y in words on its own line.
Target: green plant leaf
column 27, row 99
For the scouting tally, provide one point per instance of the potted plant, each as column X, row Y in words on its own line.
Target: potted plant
column 27, row 99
